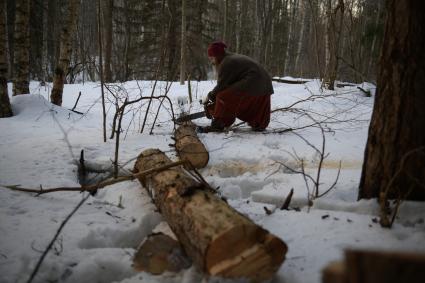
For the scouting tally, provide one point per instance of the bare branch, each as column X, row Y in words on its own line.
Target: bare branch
column 99, row 185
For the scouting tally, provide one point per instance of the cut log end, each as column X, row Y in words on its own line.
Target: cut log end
column 189, row 147
column 195, row 153
column 245, row 251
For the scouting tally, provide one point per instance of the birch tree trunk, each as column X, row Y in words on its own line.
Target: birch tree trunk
column 183, row 45
column 394, row 161
column 5, row 108
column 68, row 29
column 21, row 45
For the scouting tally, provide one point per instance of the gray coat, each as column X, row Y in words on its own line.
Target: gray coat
column 241, row 73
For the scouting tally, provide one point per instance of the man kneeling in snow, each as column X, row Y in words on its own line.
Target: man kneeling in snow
column 243, row 91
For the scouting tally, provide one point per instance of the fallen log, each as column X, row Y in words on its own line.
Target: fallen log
column 361, row 266
column 286, row 81
column 189, row 147
column 219, row 240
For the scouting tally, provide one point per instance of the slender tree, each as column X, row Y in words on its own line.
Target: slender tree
column 108, row 6
column 334, row 31
column 394, row 162
column 21, row 45
column 183, row 45
column 5, row 108
column 68, row 29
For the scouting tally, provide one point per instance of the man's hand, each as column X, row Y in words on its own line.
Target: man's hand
column 207, row 112
column 210, row 97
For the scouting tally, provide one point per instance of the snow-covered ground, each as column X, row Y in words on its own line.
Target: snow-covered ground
column 41, row 144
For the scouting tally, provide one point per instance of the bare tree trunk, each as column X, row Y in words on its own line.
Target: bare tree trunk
column 289, row 38
column 5, row 108
column 394, row 161
column 183, row 45
column 10, row 19
column 373, row 48
column 315, row 21
column 226, row 15
column 239, row 26
column 128, row 39
column 334, row 31
column 304, row 23
column 99, row 33
column 68, row 29
column 21, row 56
column 108, row 6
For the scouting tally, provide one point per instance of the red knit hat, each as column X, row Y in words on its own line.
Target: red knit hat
column 216, row 49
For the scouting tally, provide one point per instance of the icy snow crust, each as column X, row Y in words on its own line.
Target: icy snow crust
column 40, row 146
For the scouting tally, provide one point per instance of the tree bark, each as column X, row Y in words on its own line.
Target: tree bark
column 5, row 108
column 21, row 45
column 183, row 45
column 189, row 147
column 395, row 152
column 380, row 267
column 219, row 240
column 68, row 28
column 108, row 6
column 334, row 30
column 361, row 266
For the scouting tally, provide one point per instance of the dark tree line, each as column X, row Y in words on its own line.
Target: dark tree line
column 302, row 38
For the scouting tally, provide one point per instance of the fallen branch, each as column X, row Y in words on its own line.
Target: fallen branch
column 99, row 185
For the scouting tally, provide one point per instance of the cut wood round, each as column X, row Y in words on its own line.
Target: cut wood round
column 159, row 253
column 219, row 240
column 189, row 147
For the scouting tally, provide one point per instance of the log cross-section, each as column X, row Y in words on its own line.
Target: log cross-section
column 189, row 147
column 219, row 240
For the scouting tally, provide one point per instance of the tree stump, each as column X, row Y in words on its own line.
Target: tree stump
column 219, row 240
column 189, row 147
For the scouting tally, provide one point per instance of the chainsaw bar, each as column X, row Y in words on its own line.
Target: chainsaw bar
column 189, row 117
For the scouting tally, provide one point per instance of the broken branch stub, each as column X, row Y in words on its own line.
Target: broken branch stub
column 219, row 240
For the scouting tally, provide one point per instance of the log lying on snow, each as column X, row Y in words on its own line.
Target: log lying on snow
column 286, row 81
column 362, row 266
column 219, row 240
column 189, row 147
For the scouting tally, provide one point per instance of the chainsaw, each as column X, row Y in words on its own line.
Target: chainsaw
column 188, row 117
